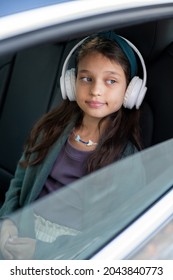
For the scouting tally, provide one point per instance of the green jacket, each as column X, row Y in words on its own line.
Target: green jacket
column 25, row 188
column 28, row 183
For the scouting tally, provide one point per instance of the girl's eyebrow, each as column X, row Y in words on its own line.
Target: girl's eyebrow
column 84, row 71
column 106, row 72
column 112, row 73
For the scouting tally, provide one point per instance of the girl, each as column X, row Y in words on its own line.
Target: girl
column 79, row 136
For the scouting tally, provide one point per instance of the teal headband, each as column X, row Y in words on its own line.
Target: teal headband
column 126, row 48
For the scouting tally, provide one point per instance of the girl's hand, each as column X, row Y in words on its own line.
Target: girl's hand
column 21, row 248
column 8, row 230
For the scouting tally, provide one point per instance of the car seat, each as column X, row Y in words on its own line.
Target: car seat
column 160, row 97
column 30, row 76
column 155, row 42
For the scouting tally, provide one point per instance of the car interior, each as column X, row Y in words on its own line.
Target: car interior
column 29, row 87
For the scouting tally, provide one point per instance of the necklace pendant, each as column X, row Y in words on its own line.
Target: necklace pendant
column 90, row 143
column 77, row 138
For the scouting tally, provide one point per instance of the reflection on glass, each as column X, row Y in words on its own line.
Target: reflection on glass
column 78, row 220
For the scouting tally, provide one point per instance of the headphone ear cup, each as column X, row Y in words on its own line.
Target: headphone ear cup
column 62, row 86
column 68, row 87
column 132, row 93
column 141, row 97
column 70, row 84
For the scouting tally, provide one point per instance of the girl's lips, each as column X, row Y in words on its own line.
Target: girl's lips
column 95, row 104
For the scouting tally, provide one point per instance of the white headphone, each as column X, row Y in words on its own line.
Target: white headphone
column 135, row 91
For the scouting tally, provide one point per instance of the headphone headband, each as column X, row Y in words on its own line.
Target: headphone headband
column 125, row 47
column 141, row 60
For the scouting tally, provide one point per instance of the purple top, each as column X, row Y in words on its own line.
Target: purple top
column 69, row 166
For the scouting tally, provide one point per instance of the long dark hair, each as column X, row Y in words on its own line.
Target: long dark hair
column 124, row 124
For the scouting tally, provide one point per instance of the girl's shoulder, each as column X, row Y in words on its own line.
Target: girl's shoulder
column 130, row 149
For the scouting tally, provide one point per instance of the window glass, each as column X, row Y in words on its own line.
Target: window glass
column 78, row 220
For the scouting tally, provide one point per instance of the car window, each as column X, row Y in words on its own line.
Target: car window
column 95, row 209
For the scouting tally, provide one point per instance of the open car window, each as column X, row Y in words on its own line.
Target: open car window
column 89, row 218
column 95, row 209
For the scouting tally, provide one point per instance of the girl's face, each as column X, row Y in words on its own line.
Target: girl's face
column 100, row 86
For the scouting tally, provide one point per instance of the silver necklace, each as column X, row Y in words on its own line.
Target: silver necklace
column 77, row 138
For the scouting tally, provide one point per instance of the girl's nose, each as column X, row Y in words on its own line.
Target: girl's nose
column 95, row 89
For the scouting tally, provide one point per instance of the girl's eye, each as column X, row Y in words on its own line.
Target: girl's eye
column 86, row 79
column 111, row 82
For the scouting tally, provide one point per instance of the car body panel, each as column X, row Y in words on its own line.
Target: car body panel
column 66, row 21
column 63, row 12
